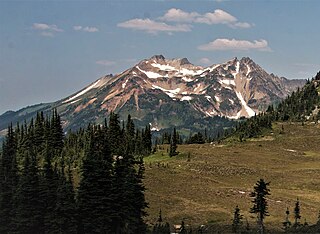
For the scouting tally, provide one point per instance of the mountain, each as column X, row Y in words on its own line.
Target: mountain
column 170, row 92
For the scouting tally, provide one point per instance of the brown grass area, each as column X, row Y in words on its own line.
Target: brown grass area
column 207, row 188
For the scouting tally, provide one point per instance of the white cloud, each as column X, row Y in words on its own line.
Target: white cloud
column 205, row 61
column 154, row 27
column 241, row 25
column 85, row 29
column 90, row 29
column 177, row 15
column 233, row 44
column 105, row 62
column 217, row 17
column 47, row 27
column 77, row 28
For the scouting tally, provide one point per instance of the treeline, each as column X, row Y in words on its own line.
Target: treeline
column 302, row 105
column 193, row 138
column 40, row 166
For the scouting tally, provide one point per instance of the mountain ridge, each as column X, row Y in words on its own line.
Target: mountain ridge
column 157, row 90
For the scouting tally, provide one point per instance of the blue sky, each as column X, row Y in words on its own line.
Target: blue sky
column 51, row 49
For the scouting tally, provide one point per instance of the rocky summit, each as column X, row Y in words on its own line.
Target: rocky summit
column 170, row 92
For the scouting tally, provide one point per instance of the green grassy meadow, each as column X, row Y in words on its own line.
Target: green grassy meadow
column 205, row 187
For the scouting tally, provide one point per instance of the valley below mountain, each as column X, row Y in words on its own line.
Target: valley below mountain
column 204, row 189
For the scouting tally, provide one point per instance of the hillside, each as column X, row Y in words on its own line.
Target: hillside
column 207, row 188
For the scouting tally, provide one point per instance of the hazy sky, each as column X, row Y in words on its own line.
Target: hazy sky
column 51, row 49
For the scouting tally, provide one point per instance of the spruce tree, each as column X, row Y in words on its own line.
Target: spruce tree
column 237, row 220
column 95, row 190
column 297, row 215
column 129, row 136
column 57, row 134
column 173, row 144
column 129, row 196
column 28, row 212
column 115, row 135
column 8, row 182
column 48, row 189
column 160, row 217
column 260, row 205
column 287, row 223
column 65, row 208
column 147, row 140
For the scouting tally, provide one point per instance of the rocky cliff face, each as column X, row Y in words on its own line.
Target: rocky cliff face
column 173, row 92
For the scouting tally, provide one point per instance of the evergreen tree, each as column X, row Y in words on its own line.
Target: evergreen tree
column 8, row 181
column 160, row 217
column 147, row 140
column 95, row 190
column 286, row 223
column 115, row 135
column 56, row 132
column 297, row 215
column 28, row 212
column 260, row 205
column 237, row 220
column 48, row 190
column 173, row 144
column 129, row 135
column 183, row 228
column 65, row 208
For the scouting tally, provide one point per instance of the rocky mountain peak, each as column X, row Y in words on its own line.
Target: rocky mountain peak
column 157, row 88
column 158, row 57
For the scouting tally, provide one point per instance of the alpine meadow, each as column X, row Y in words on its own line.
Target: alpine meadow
column 106, row 127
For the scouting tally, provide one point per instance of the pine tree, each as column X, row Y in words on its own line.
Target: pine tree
column 28, row 212
column 147, row 140
column 48, row 190
column 65, row 208
column 114, row 134
column 173, row 144
column 160, row 217
column 287, row 223
column 237, row 220
column 129, row 196
column 129, row 136
column 95, row 190
column 8, row 182
column 297, row 215
column 260, row 205
column 183, row 228
column 57, row 134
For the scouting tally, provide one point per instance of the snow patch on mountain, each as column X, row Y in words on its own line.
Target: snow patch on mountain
column 165, row 67
column 227, row 82
column 125, row 83
column 248, row 70
column 75, row 101
column 237, row 70
column 187, row 79
column 185, row 72
column 94, row 85
column 186, row 98
column 171, row 93
column 150, row 74
column 249, row 111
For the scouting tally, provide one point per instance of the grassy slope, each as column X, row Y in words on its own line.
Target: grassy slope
column 208, row 188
